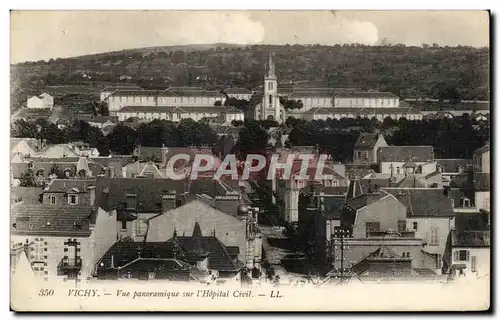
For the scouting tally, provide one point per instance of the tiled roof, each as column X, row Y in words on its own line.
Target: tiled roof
column 124, row 252
column 192, row 93
column 182, row 248
column 218, row 257
column 303, row 94
column 236, row 91
column 149, row 192
column 476, row 221
column 122, row 87
column 452, row 165
column 185, row 88
column 67, row 185
column 134, row 92
column 365, row 199
column 52, row 219
column 470, row 239
column 424, row 202
column 332, row 206
column 366, row 140
column 28, row 195
column 403, row 103
column 406, row 154
column 365, row 95
column 31, row 142
column 101, row 119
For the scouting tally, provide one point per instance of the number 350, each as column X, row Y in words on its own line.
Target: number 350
column 46, row 292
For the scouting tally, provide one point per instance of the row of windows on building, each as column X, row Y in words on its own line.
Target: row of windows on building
column 328, row 183
column 139, row 99
column 72, row 199
column 373, row 228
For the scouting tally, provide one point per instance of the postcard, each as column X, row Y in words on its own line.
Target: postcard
column 250, row 161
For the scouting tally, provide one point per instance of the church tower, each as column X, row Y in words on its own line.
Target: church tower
column 270, row 101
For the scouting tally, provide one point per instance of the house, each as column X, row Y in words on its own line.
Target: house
column 63, row 242
column 397, row 160
column 471, row 242
column 230, row 230
column 363, row 225
column 134, row 201
column 366, row 148
column 238, row 93
column 430, row 215
column 289, row 189
column 462, row 199
column 482, row 176
column 69, row 191
column 479, row 116
column 45, row 169
column 481, row 159
column 101, row 121
column 43, row 101
column 187, row 258
column 27, row 147
column 127, row 259
column 451, row 169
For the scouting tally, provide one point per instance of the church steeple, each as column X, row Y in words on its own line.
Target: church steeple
column 270, row 67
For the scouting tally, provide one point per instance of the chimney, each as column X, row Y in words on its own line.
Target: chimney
column 91, row 195
column 112, row 172
column 168, row 201
column 202, row 262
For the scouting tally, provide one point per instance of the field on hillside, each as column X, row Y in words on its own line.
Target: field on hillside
column 433, row 72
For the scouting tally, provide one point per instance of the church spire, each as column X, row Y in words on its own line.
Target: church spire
column 270, row 66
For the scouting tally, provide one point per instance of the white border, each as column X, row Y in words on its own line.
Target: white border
column 186, row 4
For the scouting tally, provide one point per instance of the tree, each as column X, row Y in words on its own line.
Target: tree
column 252, row 138
column 27, row 179
column 122, row 140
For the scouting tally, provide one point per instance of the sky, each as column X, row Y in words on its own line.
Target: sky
column 41, row 35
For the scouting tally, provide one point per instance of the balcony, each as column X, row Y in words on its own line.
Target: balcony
column 70, row 264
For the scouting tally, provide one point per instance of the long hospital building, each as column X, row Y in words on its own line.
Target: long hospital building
column 177, row 103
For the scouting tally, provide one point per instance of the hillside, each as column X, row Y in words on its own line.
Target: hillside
column 437, row 72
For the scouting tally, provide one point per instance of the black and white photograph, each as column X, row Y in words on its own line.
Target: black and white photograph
column 251, row 160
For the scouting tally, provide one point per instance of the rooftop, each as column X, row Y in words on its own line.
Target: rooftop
column 424, row 202
column 366, row 140
column 406, row 154
column 52, row 219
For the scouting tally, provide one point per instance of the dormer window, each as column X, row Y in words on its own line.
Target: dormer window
column 131, row 201
column 465, row 202
column 73, row 199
